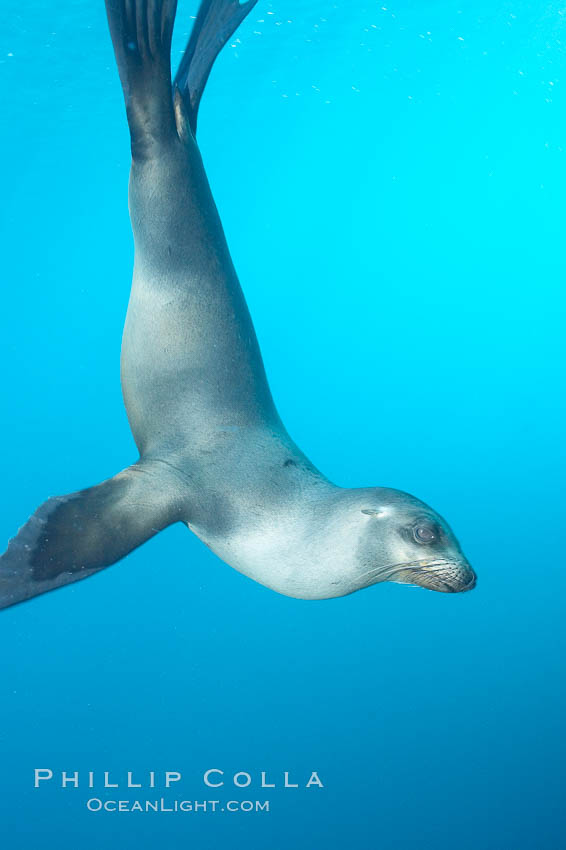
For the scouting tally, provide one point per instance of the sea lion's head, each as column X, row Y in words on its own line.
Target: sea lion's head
column 340, row 540
column 404, row 540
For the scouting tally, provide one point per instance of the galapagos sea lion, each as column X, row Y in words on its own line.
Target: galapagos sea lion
column 213, row 452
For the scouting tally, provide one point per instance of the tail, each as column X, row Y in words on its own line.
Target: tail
column 72, row 537
column 141, row 33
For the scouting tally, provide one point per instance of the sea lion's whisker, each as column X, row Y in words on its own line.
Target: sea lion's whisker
column 423, row 563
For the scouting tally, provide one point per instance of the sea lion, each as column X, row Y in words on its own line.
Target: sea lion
column 213, row 452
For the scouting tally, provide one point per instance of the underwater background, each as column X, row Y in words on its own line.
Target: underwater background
column 391, row 177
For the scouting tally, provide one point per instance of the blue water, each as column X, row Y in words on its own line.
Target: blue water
column 391, row 177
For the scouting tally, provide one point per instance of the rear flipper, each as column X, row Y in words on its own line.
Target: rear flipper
column 141, row 33
column 216, row 22
column 72, row 537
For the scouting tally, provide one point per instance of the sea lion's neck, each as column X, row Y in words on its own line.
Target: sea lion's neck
column 280, row 522
column 233, row 473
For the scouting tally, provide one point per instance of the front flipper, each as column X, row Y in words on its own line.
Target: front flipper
column 216, row 22
column 72, row 537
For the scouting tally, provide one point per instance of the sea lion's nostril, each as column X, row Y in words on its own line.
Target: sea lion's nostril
column 471, row 584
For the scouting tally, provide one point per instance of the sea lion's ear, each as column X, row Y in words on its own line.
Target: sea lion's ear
column 371, row 512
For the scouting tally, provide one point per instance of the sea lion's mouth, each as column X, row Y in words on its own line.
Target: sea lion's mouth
column 441, row 575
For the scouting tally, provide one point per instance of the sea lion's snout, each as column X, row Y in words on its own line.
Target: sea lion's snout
column 472, row 581
column 447, row 577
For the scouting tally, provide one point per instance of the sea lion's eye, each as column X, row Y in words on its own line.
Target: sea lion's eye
column 425, row 533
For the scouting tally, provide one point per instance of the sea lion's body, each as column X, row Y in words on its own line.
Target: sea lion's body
column 193, row 380
column 191, row 364
column 214, row 453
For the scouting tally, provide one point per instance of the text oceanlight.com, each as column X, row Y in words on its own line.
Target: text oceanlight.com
column 186, row 806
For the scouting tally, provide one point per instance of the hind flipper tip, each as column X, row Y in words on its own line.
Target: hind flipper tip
column 215, row 23
column 141, row 29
